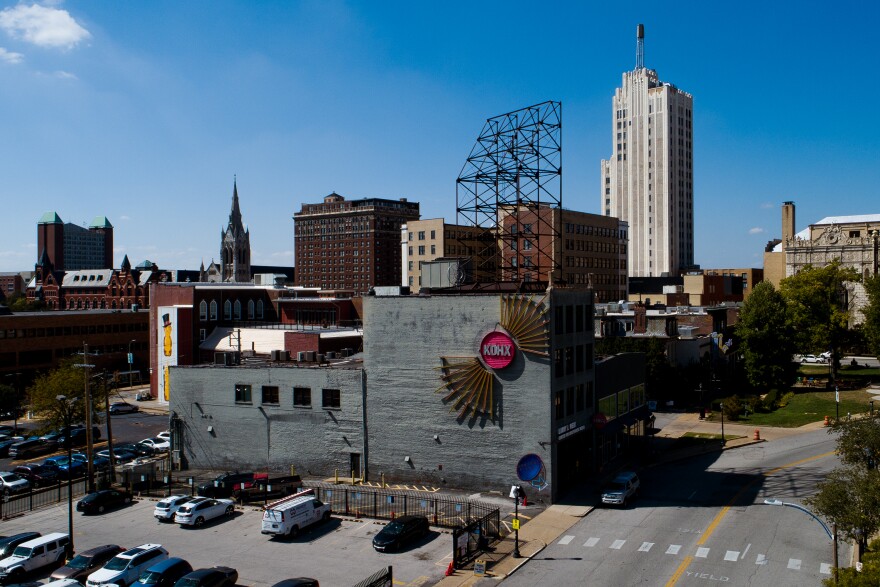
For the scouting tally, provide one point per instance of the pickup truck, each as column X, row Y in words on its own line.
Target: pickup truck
column 223, row 485
column 262, row 487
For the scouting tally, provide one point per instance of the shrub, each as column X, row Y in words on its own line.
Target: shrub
column 786, row 399
column 770, row 400
column 732, row 407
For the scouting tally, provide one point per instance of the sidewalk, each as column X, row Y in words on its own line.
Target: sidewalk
column 549, row 525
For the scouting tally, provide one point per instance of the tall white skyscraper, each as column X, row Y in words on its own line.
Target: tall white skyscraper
column 648, row 181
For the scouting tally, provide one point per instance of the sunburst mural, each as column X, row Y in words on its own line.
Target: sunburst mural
column 468, row 382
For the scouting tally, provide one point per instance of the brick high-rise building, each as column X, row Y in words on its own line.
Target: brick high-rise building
column 72, row 247
column 350, row 244
column 648, row 181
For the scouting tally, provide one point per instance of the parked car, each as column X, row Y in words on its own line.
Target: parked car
column 223, row 485
column 63, row 466
column 825, row 356
column 140, row 449
column 811, row 359
column 32, row 555
column 87, row 562
column 298, row 582
column 165, row 573
column 78, row 437
column 166, row 434
column 11, row 483
column 123, row 408
column 32, row 447
column 624, row 487
column 400, row 532
column 289, row 516
column 56, row 583
column 8, row 544
column 6, row 430
column 99, row 501
column 166, row 508
column 121, row 455
column 38, row 475
column 125, row 568
column 6, row 444
column 213, row 577
column 157, row 444
column 201, row 510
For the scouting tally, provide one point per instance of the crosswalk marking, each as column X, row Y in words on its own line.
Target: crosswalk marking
column 794, row 564
column 731, row 555
column 673, row 549
column 566, row 539
column 702, row 552
column 646, row 546
column 617, row 544
column 824, row 569
column 591, row 542
column 761, row 560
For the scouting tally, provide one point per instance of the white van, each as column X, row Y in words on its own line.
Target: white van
column 33, row 554
column 286, row 517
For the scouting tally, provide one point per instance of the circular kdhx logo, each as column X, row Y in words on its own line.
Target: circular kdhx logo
column 497, row 349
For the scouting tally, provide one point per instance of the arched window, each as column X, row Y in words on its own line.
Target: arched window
column 227, row 310
column 213, row 309
column 113, row 305
column 260, row 309
column 250, row 309
column 237, row 310
column 203, row 310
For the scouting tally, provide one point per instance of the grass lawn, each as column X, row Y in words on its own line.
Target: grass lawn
column 691, row 439
column 810, row 406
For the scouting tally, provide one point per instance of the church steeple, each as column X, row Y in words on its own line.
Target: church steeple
column 235, row 245
column 235, row 223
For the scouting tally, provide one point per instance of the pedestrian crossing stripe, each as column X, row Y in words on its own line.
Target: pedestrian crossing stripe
column 824, row 569
column 646, row 546
column 702, row 552
column 731, row 555
column 566, row 539
column 673, row 549
column 591, row 542
column 761, row 560
column 617, row 544
column 794, row 564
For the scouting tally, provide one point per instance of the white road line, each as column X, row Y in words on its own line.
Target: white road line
column 702, row 552
column 646, row 546
column 566, row 539
column 731, row 555
column 673, row 549
column 743, row 555
column 761, row 560
column 591, row 542
column 824, row 569
column 617, row 544
column 794, row 564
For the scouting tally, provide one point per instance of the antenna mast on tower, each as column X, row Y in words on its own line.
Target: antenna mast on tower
column 640, row 46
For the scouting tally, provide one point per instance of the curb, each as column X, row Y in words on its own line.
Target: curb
column 523, row 561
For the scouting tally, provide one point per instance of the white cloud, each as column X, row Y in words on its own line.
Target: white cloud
column 766, row 206
column 10, row 56
column 42, row 26
column 124, row 217
column 65, row 75
column 756, row 230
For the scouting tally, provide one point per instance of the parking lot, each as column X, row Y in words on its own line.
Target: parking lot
column 337, row 553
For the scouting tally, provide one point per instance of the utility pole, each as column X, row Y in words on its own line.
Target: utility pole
column 109, row 431
column 88, row 397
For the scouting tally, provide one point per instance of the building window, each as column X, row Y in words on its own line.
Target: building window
column 558, row 368
column 227, row 310
column 202, row 334
column 433, row 235
column 581, row 396
column 421, row 235
column 527, row 245
column 213, row 309
column 421, row 249
column 243, row 394
column 433, row 249
column 331, row 399
column 270, row 394
column 237, row 310
column 559, row 405
column 260, row 309
column 250, row 309
column 569, row 401
column 203, row 310
column 302, row 396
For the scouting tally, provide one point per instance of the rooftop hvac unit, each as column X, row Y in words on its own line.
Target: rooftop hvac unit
column 228, row 358
column 310, row 355
column 331, row 354
column 301, row 356
column 283, row 355
column 274, row 355
column 320, row 358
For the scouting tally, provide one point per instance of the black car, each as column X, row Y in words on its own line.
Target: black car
column 213, row 577
column 32, row 447
column 164, row 573
column 38, row 475
column 141, row 450
column 298, row 582
column 97, row 502
column 8, row 544
column 77, row 437
column 5, row 444
column 400, row 532
column 87, row 562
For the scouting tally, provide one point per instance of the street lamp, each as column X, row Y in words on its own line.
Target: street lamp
column 66, row 407
column 130, row 361
column 722, row 423
column 516, row 492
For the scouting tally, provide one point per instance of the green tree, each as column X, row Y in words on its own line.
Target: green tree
column 818, row 310
column 9, row 400
column 858, row 441
column 850, row 497
column 871, row 326
column 766, row 339
column 19, row 303
column 69, row 381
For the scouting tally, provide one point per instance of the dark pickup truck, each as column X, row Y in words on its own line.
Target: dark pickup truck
column 262, row 487
column 223, row 485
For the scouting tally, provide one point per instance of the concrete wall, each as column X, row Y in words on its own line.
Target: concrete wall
column 404, row 338
column 316, row 440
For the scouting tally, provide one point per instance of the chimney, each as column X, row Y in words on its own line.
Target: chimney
column 787, row 222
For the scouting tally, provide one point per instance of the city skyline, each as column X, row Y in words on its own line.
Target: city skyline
column 145, row 114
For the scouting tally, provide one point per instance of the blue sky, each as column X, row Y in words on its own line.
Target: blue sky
column 144, row 111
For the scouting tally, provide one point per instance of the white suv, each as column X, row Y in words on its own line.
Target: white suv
column 125, row 568
column 34, row 554
column 166, row 508
column 624, row 487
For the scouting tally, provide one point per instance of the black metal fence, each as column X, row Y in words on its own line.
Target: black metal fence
column 14, row 505
column 383, row 578
column 470, row 540
column 445, row 511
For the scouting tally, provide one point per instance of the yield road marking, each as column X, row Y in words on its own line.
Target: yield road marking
column 702, row 552
column 794, row 564
column 646, row 546
column 673, row 549
column 731, row 555
column 591, row 542
column 617, row 544
column 566, row 539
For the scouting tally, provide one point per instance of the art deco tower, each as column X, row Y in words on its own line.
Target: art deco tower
column 648, row 181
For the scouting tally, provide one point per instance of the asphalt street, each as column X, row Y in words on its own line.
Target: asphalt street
column 704, row 521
